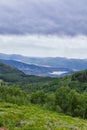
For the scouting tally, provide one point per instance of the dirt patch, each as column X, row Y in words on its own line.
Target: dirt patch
column 3, row 129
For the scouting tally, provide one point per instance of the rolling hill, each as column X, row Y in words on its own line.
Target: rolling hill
column 9, row 73
column 65, row 95
column 12, row 74
column 77, row 80
column 59, row 62
column 38, row 70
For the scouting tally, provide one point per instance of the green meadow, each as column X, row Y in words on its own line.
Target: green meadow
column 34, row 117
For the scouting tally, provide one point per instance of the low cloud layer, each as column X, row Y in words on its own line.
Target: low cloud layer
column 45, row 46
column 60, row 17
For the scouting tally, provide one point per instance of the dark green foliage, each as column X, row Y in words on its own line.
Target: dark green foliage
column 66, row 95
column 38, row 97
column 50, row 102
column 65, row 100
column 72, row 102
column 13, row 95
column 80, row 76
column 62, row 98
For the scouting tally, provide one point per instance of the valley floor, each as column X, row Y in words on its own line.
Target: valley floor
column 32, row 117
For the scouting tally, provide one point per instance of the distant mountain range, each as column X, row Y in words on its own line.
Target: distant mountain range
column 53, row 67
column 37, row 70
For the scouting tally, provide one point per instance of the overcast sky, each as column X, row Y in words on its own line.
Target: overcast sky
column 44, row 27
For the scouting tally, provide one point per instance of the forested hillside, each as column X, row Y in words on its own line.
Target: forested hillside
column 66, row 96
column 11, row 75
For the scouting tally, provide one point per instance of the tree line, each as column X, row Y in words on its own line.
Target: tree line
column 64, row 100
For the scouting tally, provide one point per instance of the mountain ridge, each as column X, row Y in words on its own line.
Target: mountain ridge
column 39, row 70
column 77, row 80
column 48, row 66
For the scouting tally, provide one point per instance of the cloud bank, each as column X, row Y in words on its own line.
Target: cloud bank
column 42, row 46
column 44, row 17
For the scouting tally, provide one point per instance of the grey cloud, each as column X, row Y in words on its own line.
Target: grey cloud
column 41, row 46
column 61, row 17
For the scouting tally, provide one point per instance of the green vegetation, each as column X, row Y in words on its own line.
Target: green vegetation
column 12, row 76
column 64, row 100
column 13, row 95
column 77, row 81
column 32, row 117
column 36, row 103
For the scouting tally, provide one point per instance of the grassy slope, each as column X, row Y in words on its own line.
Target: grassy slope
column 32, row 117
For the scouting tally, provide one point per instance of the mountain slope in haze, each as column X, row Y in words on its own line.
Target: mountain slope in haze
column 12, row 74
column 6, row 69
column 37, row 70
column 9, row 73
column 77, row 81
column 59, row 62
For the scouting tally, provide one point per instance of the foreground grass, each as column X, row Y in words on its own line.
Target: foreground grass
column 33, row 117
